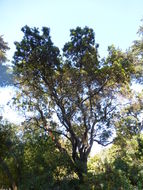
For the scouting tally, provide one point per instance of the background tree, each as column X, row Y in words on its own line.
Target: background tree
column 3, row 48
column 137, row 52
column 43, row 166
column 5, row 76
column 8, row 142
column 73, row 96
column 119, row 167
column 26, row 161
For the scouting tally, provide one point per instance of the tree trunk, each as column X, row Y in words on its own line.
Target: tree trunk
column 14, row 187
column 8, row 173
column 81, row 169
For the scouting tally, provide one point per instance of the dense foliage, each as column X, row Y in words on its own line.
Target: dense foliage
column 73, row 99
column 78, row 88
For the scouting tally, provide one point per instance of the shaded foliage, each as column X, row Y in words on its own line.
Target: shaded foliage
column 5, row 76
column 120, row 167
column 31, row 161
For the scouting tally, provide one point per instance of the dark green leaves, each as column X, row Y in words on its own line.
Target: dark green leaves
column 36, row 52
column 3, row 48
column 79, row 88
column 82, row 43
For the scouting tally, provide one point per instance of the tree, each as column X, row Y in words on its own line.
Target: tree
column 8, row 142
column 5, row 76
column 74, row 95
column 26, row 161
column 39, row 169
column 3, row 48
column 120, row 166
column 137, row 52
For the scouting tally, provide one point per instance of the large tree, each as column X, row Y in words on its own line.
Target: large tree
column 73, row 96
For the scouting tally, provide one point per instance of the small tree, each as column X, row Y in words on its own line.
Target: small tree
column 8, row 144
column 5, row 77
column 78, row 87
column 3, row 48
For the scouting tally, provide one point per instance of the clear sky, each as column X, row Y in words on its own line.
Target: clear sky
column 114, row 22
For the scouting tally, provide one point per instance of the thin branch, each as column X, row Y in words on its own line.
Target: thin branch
column 57, row 132
column 101, row 143
column 96, row 92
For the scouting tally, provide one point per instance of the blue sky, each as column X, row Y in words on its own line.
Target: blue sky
column 114, row 21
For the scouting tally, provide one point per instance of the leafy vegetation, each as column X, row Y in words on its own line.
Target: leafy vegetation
column 5, row 76
column 77, row 87
column 74, row 99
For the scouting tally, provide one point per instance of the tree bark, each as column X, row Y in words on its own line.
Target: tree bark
column 8, row 173
column 81, row 169
column 14, row 186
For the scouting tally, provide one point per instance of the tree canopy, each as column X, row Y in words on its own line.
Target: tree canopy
column 73, row 98
column 74, row 95
column 3, row 48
